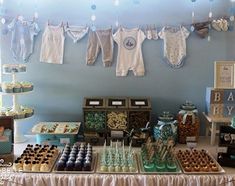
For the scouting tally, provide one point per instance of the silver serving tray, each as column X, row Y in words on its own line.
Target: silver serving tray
column 98, row 168
column 53, row 164
column 221, row 170
column 142, row 170
column 93, row 167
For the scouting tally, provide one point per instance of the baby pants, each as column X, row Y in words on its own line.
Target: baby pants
column 100, row 39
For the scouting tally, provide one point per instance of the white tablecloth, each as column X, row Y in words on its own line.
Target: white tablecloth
column 52, row 179
column 31, row 179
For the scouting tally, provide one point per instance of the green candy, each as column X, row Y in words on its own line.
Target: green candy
column 95, row 120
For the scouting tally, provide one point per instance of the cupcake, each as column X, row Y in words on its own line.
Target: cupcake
column 28, row 112
column 17, row 87
column 11, row 113
column 27, row 166
column 26, row 86
column 44, row 166
column 17, row 165
column 20, row 115
column 2, row 112
column 35, row 166
column 7, row 87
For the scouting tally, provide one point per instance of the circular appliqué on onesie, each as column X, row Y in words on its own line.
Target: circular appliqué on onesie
column 129, row 43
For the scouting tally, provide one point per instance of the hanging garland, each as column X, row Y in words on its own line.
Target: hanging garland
column 231, row 18
column 35, row 9
column 202, row 28
column 210, row 19
column 193, row 14
column 93, row 16
column 3, row 11
column 116, row 3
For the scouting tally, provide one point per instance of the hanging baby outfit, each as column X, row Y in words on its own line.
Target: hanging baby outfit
column 76, row 32
column 100, row 39
column 22, row 40
column 52, row 47
column 129, row 51
column 174, row 45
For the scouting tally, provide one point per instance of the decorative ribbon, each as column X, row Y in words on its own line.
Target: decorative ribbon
column 187, row 113
column 173, row 127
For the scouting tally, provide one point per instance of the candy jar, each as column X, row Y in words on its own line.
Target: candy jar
column 166, row 128
column 188, row 122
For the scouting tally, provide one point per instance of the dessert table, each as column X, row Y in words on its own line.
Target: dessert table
column 52, row 179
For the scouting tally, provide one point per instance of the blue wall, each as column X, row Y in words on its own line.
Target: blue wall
column 60, row 89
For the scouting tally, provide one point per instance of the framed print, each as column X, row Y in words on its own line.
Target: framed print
column 224, row 74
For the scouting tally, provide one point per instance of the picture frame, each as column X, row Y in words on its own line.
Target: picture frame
column 224, row 74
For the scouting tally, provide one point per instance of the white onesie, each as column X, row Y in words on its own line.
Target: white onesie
column 174, row 45
column 129, row 51
column 52, row 48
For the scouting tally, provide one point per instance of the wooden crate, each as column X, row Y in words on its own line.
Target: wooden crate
column 117, row 107
column 139, row 103
column 220, row 102
column 139, row 112
column 94, row 103
column 94, row 138
column 94, row 108
column 117, row 103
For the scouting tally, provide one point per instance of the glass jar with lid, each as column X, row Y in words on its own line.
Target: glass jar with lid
column 188, row 122
column 166, row 128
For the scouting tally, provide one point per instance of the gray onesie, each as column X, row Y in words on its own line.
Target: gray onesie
column 100, row 39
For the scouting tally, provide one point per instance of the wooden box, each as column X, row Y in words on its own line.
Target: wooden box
column 94, row 138
column 94, row 114
column 94, row 103
column 139, row 112
column 220, row 102
column 117, row 113
column 117, row 103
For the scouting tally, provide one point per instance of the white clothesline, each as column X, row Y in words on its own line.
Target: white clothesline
column 141, row 26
